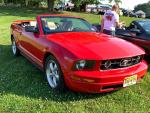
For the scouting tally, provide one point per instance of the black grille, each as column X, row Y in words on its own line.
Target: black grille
column 120, row 63
column 113, row 86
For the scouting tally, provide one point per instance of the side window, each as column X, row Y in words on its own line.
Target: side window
column 135, row 30
column 50, row 24
column 79, row 24
column 34, row 24
column 37, row 28
column 64, row 24
column 132, row 26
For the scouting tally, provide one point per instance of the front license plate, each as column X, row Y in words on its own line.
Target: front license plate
column 128, row 81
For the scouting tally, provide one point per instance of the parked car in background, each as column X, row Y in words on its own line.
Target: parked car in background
column 72, row 54
column 103, row 8
column 125, row 12
column 132, row 14
column 140, row 14
column 69, row 6
column 129, row 13
column 138, row 32
column 91, row 8
column 147, row 16
column 59, row 7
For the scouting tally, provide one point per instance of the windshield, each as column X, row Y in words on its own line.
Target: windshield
column 65, row 24
column 145, row 25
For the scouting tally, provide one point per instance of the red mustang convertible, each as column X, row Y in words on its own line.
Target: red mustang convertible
column 72, row 54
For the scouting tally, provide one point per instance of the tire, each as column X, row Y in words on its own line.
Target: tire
column 54, row 74
column 14, row 48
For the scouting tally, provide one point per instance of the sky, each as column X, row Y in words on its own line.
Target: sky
column 129, row 4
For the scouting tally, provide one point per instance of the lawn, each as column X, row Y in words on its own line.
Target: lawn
column 24, row 90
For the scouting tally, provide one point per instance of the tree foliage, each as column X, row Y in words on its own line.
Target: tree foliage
column 144, row 7
column 50, row 4
column 116, row 1
column 22, row 2
column 79, row 2
column 31, row 3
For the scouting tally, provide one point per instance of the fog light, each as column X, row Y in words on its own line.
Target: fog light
column 82, row 79
column 88, row 80
column 76, row 78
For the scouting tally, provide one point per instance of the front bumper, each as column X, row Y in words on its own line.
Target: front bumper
column 103, row 81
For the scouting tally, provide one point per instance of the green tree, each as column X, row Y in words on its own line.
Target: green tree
column 144, row 7
column 26, row 3
column 77, row 4
column 2, row 1
column 116, row 1
column 50, row 4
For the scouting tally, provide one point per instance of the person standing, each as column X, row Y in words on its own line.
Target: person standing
column 110, row 21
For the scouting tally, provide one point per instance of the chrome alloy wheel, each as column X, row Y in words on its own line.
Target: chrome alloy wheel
column 52, row 74
column 14, row 47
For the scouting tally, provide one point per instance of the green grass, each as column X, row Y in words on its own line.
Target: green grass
column 24, row 90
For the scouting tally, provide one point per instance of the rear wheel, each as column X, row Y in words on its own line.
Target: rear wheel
column 54, row 74
column 14, row 48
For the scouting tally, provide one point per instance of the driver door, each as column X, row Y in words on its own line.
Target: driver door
column 33, row 47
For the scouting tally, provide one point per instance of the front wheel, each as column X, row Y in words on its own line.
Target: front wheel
column 54, row 74
column 14, row 48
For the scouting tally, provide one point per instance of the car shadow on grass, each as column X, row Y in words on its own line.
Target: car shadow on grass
column 19, row 77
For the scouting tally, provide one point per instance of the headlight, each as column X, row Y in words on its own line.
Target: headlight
column 138, row 59
column 84, row 65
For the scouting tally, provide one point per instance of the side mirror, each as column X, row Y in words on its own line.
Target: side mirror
column 31, row 29
column 94, row 29
column 136, row 31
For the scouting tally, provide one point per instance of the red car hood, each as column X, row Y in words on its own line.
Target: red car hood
column 91, row 45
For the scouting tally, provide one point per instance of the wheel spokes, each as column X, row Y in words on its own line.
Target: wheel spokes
column 52, row 74
column 51, row 67
column 54, row 81
column 55, row 67
column 14, row 47
column 56, row 75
